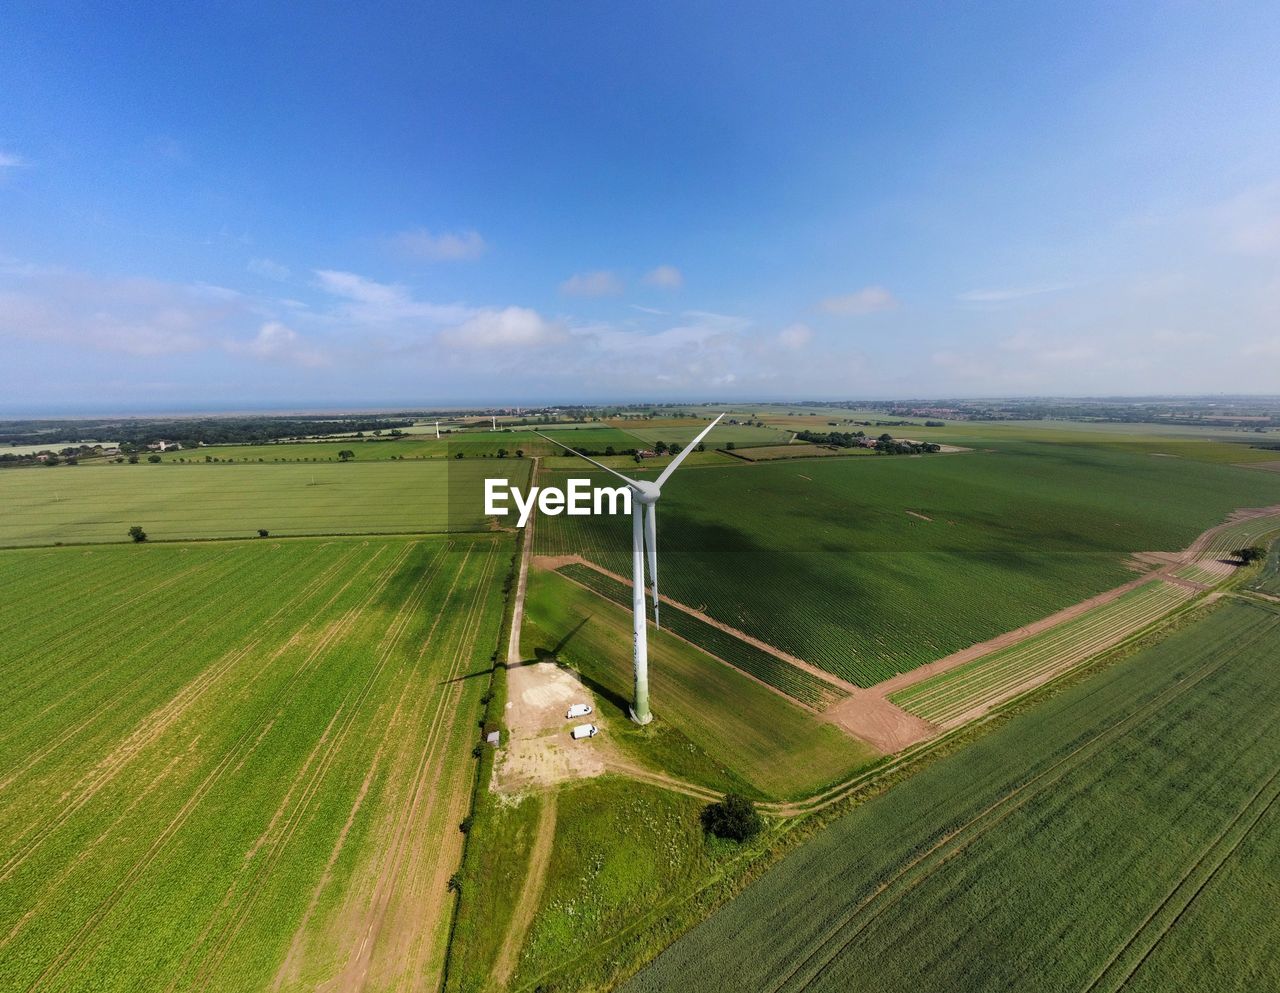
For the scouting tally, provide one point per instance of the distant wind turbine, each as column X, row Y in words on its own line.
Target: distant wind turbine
column 644, row 535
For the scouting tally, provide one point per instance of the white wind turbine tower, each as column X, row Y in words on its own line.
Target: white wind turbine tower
column 644, row 535
column 437, row 430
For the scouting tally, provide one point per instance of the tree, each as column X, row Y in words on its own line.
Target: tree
column 660, row 448
column 502, row 453
column 734, row 818
column 346, row 454
column 1251, row 554
column 153, row 459
column 729, row 446
column 52, row 460
column 263, row 533
column 137, row 534
column 458, row 455
column 519, row 453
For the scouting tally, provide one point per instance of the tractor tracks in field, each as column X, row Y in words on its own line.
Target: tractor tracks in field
column 401, row 865
column 306, row 783
column 835, row 939
column 1213, row 857
column 78, row 943
column 150, row 728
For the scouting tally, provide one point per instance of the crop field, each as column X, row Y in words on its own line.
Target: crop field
column 795, row 682
column 867, row 567
column 949, row 697
column 472, row 444
column 1268, row 580
column 1217, row 561
column 713, row 726
column 771, row 453
column 238, row 766
column 1123, row 835
column 101, row 503
column 683, row 431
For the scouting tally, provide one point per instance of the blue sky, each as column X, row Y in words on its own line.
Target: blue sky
column 236, row 205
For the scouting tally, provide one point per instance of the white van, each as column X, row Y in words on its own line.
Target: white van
column 584, row 731
column 578, row 710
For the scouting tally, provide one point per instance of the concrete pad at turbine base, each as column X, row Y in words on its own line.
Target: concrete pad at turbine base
column 540, row 751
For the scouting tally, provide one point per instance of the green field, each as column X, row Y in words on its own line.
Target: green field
column 827, row 560
column 1123, row 834
column 620, row 847
column 946, row 698
column 1268, row 580
column 101, row 503
column 714, row 726
column 794, row 682
column 473, row 443
column 681, row 432
column 239, row 765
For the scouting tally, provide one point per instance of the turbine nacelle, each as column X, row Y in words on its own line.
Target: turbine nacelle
column 646, row 492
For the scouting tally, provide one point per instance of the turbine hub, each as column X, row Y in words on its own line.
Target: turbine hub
column 646, row 492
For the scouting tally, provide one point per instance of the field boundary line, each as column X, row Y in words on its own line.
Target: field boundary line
column 554, row 562
column 705, row 651
column 836, row 794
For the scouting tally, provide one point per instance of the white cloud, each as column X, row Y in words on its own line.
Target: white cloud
column 867, row 300
column 1010, row 293
column 649, row 310
column 140, row 317
column 268, row 269
column 666, row 277
column 371, row 302
column 446, row 246
column 10, row 161
column 511, row 327
column 276, row 342
column 795, row 336
column 601, row 283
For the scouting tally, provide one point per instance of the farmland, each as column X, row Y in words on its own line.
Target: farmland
column 1268, row 581
column 952, row 696
column 238, row 765
column 868, row 567
column 795, row 682
column 1118, row 836
column 714, row 726
column 1215, row 560
column 100, row 503
column 475, row 443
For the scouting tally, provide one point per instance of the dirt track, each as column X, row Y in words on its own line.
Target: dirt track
column 534, row 880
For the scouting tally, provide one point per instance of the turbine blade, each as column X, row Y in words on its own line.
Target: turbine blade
column 651, row 544
column 685, row 451
column 598, row 465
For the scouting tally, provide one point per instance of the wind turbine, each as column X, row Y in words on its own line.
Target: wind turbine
column 437, row 430
column 644, row 536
